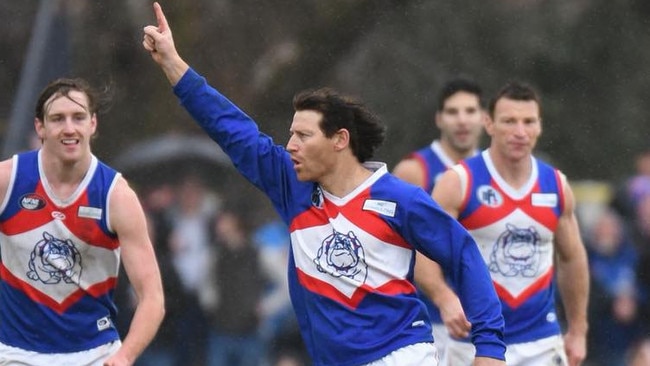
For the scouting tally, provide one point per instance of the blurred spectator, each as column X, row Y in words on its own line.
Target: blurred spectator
column 640, row 354
column 191, row 256
column 633, row 201
column 234, row 338
column 158, row 202
column 614, row 296
column 290, row 359
column 279, row 330
column 643, row 272
column 634, row 188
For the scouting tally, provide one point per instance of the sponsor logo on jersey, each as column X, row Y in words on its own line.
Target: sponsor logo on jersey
column 32, row 202
column 317, row 197
column 418, row 323
column 489, row 196
column 383, row 207
column 544, row 199
column 103, row 323
column 551, row 317
column 90, row 212
column 58, row 215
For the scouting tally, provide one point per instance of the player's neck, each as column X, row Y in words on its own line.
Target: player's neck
column 345, row 179
column 454, row 154
column 515, row 172
column 62, row 177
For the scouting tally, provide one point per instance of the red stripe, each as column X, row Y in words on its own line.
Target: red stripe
column 37, row 296
column 323, row 288
column 371, row 222
column 485, row 215
column 368, row 221
column 87, row 229
column 542, row 283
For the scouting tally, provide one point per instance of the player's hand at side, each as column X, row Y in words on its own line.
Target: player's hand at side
column 453, row 316
column 575, row 346
column 117, row 360
column 158, row 40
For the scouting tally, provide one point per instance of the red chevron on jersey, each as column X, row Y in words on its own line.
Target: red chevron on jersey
column 353, row 210
column 55, row 255
column 82, row 227
column 327, row 290
column 33, row 293
column 541, row 284
column 332, row 244
column 521, row 254
column 486, row 214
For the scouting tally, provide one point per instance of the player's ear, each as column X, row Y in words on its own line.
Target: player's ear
column 39, row 127
column 489, row 124
column 341, row 139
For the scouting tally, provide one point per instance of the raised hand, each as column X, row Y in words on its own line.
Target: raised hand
column 159, row 42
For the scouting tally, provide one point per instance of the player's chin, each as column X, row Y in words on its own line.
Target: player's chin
column 303, row 175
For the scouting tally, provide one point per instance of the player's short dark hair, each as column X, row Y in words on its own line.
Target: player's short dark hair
column 367, row 132
column 459, row 84
column 516, row 90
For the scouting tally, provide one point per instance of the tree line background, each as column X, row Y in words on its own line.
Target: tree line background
column 588, row 58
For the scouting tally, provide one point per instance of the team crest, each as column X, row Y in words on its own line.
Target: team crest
column 489, row 196
column 54, row 260
column 516, row 252
column 342, row 255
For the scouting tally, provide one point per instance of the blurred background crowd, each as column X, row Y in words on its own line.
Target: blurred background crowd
column 222, row 250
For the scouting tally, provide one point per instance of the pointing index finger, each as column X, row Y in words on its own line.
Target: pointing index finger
column 160, row 18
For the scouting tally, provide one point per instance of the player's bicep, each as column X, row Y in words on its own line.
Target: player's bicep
column 567, row 234
column 129, row 223
column 410, row 171
column 6, row 168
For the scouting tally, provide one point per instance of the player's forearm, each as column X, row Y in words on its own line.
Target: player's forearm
column 573, row 283
column 144, row 326
column 430, row 279
column 174, row 68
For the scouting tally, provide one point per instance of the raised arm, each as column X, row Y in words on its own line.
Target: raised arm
column 572, row 279
column 159, row 42
column 128, row 221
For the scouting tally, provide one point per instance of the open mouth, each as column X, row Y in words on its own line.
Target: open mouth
column 70, row 141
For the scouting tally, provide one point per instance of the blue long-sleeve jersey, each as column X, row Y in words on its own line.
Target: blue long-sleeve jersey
column 351, row 263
